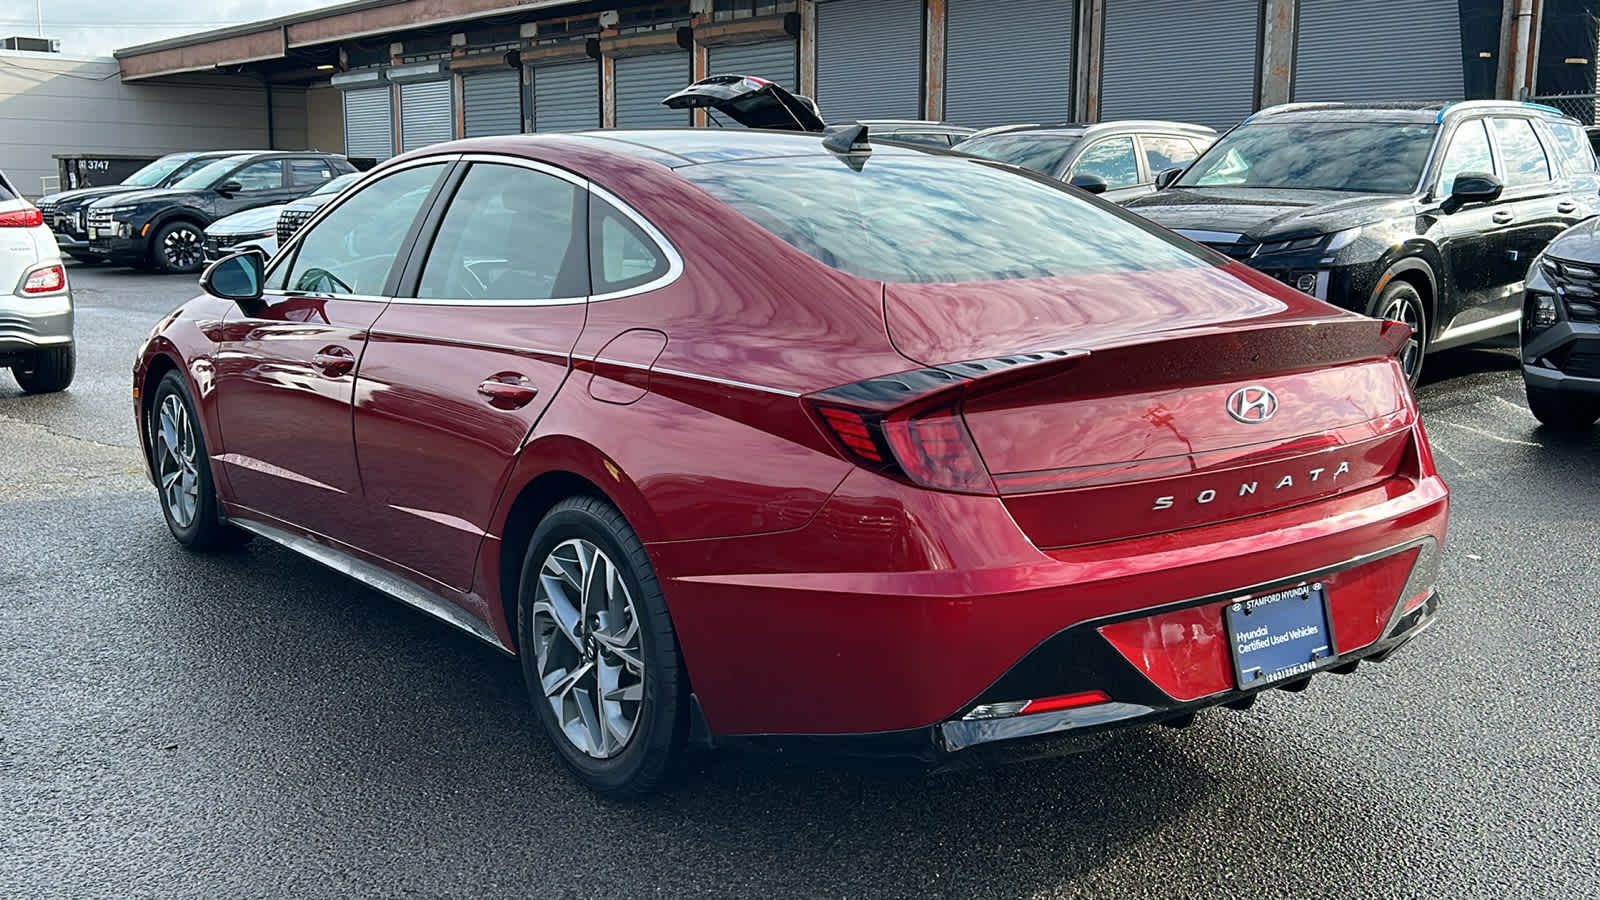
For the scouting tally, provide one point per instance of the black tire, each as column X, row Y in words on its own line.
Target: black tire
column 205, row 529
column 1401, row 301
column 1562, row 411
column 647, row 757
column 46, row 371
column 178, row 248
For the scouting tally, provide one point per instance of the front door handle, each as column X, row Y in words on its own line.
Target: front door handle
column 334, row 360
column 508, row 390
column 1565, row 207
column 1502, row 218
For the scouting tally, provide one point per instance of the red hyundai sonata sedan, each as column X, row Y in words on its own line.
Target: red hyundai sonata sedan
column 745, row 437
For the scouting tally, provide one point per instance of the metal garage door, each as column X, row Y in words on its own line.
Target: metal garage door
column 427, row 115
column 1379, row 51
column 869, row 59
column 642, row 81
column 491, row 103
column 566, row 96
column 369, row 123
column 1008, row 62
column 1164, row 62
column 773, row 60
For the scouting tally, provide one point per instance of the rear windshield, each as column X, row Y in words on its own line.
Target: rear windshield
column 1044, row 153
column 1375, row 158
column 937, row 219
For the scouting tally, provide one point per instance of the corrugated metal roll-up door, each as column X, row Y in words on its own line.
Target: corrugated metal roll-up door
column 491, row 103
column 1007, row 62
column 369, row 123
column 642, row 82
column 566, row 96
column 427, row 115
column 869, row 59
column 773, row 60
column 1379, row 51
column 1162, row 61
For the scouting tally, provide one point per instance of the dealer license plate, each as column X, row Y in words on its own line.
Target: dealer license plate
column 1280, row 635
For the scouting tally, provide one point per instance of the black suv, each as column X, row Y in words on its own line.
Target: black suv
column 1426, row 213
column 65, row 212
column 1561, row 330
column 164, row 228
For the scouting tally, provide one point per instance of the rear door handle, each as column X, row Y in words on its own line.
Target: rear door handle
column 334, row 360
column 508, row 390
column 1501, row 218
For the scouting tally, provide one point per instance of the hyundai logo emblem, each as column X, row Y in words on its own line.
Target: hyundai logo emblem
column 1252, row 405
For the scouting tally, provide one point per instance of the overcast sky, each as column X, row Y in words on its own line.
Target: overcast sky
column 96, row 27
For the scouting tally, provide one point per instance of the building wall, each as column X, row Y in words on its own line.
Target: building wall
column 51, row 104
column 289, row 120
column 324, row 120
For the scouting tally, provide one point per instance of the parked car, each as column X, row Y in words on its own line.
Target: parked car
column 296, row 214
column 258, row 227
column 747, row 438
column 36, row 313
column 65, row 212
column 1425, row 213
column 1560, row 334
column 1118, row 159
column 163, row 228
column 941, row 135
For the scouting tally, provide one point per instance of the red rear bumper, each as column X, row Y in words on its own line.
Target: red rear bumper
column 897, row 609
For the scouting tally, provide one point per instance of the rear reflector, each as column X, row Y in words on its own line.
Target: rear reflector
column 22, row 218
column 1034, row 707
column 45, row 281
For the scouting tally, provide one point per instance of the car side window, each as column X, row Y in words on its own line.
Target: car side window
column 1520, row 150
column 351, row 250
column 1111, row 159
column 266, row 175
column 511, row 233
column 1576, row 151
column 621, row 255
column 1469, row 152
column 310, row 172
column 1162, row 153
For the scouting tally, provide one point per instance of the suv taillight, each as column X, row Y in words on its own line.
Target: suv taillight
column 47, row 280
column 22, row 218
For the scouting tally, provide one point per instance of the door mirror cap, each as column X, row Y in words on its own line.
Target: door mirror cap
column 229, row 187
column 1090, row 184
column 1166, row 177
column 1472, row 187
column 237, row 277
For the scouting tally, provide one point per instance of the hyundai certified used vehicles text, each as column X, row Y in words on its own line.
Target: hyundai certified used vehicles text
column 66, row 212
column 751, row 438
column 1429, row 214
column 258, row 227
column 164, row 228
column 1560, row 332
column 35, row 300
column 1118, row 159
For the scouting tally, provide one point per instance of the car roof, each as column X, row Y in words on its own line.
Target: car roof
column 907, row 125
column 678, row 147
column 1412, row 112
column 1081, row 129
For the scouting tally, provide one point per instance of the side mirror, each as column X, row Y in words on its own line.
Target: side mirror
column 229, row 187
column 1472, row 187
column 1166, row 177
column 237, row 277
column 1091, row 184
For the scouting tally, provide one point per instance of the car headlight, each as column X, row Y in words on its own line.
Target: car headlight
column 1540, row 309
column 1343, row 239
column 1290, row 244
column 117, row 212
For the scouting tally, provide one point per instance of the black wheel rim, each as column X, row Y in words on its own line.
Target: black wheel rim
column 182, row 248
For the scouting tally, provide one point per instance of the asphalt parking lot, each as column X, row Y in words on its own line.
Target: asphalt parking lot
column 251, row 725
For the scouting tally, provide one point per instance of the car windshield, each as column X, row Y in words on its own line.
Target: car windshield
column 937, row 219
column 1382, row 158
column 336, row 185
column 1041, row 152
column 207, row 175
column 156, row 172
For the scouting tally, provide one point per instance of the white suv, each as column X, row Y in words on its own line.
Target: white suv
column 35, row 300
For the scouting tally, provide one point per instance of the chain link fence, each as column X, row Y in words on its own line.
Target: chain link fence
column 1579, row 106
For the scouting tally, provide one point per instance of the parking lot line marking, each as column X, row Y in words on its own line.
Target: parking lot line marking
column 1526, row 413
column 1493, row 437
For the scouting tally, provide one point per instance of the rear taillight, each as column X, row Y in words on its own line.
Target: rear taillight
column 929, row 446
column 47, row 280
column 22, row 218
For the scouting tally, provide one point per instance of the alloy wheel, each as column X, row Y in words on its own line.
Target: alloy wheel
column 177, row 461
column 587, row 648
column 1405, row 309
column 182, row 248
